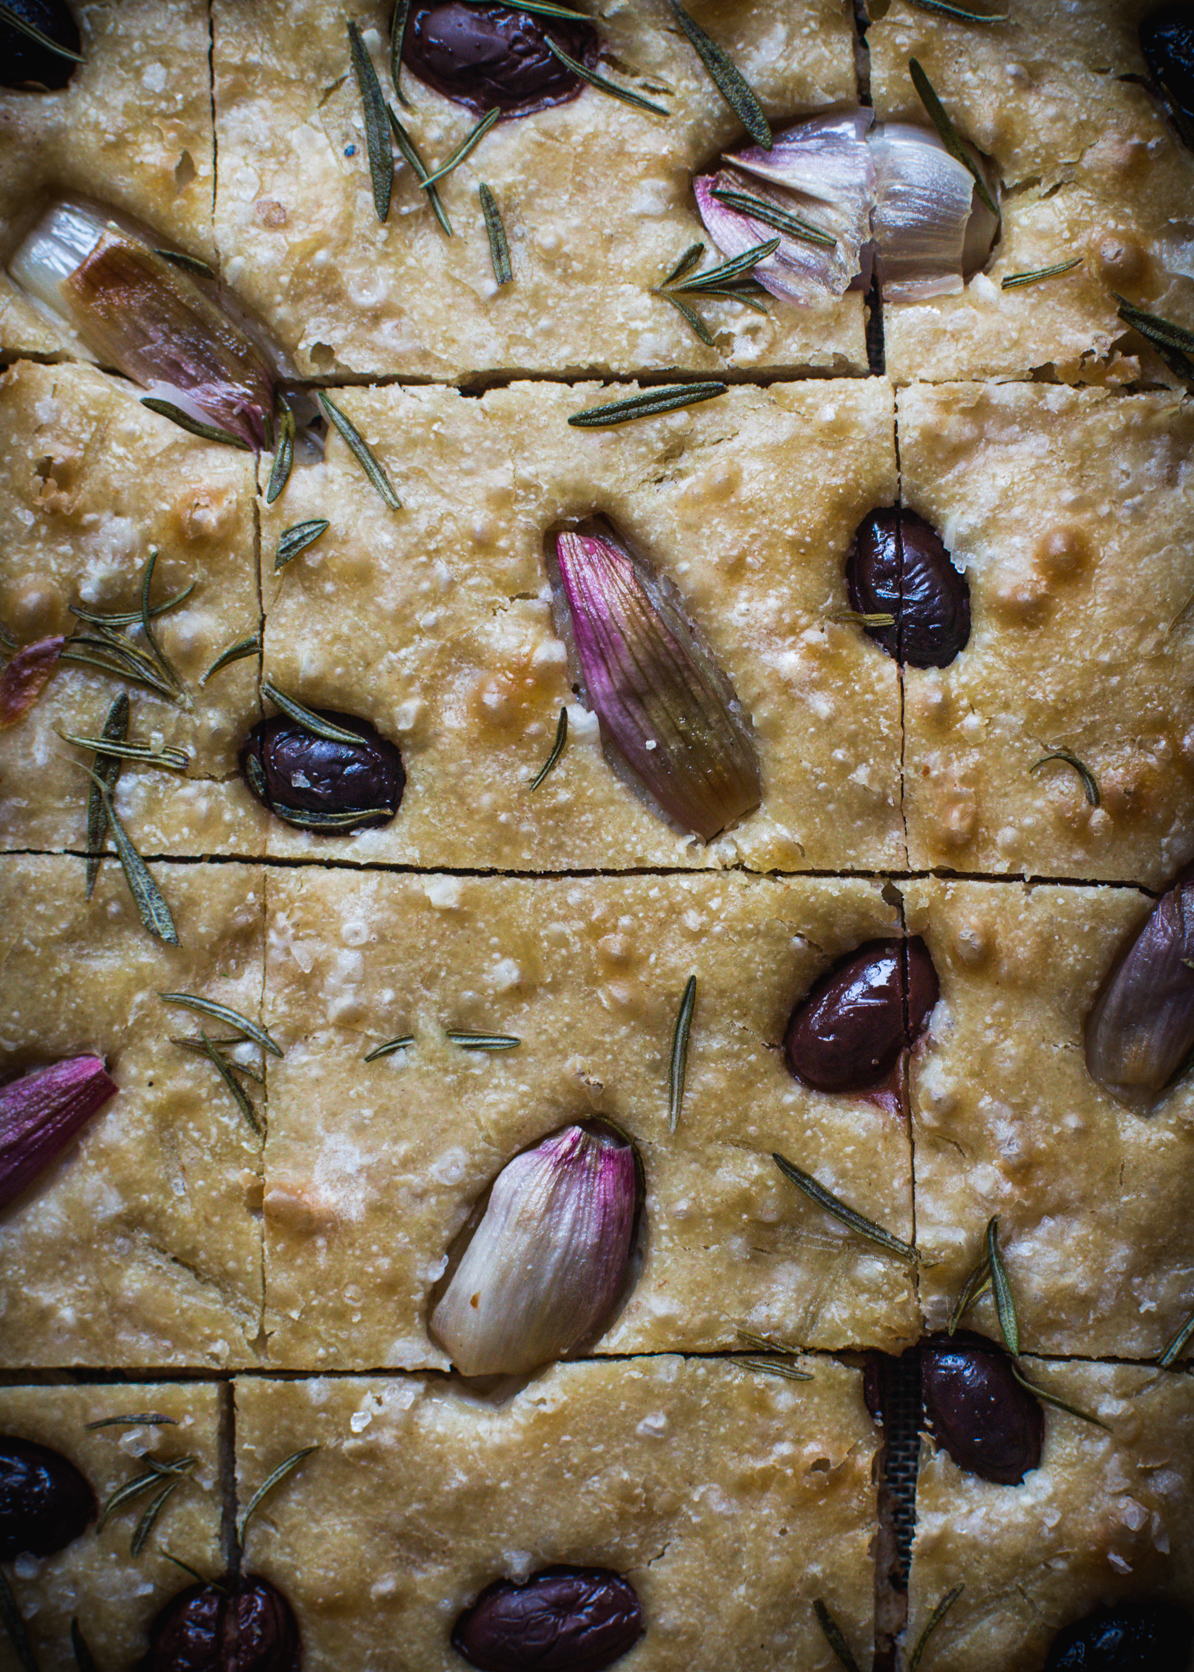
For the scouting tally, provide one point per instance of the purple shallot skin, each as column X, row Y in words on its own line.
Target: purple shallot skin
column 40, row 1114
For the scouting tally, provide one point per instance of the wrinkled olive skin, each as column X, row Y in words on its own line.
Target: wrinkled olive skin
column 1132, row 1637
column 23, row 62
column 248, row 1626
column 488, row 57
column 989, row 1423
column 1167, row 42
column 847, row 1034
column 45, row 1502
column 564, row 1619
column 899, row 566
column 339, row 778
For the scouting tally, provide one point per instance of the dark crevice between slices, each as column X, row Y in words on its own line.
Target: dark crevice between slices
column 215, row 142
column 226, row 1475
column 897, row 1463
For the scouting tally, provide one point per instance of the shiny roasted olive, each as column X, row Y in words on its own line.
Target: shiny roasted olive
column 847, row 1034
column 1132, row 1637
column 898, row 566
column 24, row 62
column 310, row 782
column 45, row 1502
column 564, row 1619
column 494, row 56
column 989, row 1423
column 243, row 1625
column 1167, row 41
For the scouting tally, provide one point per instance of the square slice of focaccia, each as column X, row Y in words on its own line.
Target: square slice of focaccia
column 372, row 1169
column 90, row 485
column 1090, row 167
column 1070, row 512
column 730, row 1501
column 596, row 198
column 1105, row 1519
column 96, row 1579
column 132, row 130
column 140, row 1244
column 435, row 622
column 1090, row 1195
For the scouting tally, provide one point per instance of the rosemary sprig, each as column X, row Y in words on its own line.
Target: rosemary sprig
column 234, row 653
column 719, row 283
column 1015, row 281
column 239, row 1095
column 107, row 768
column 975, row 1286
column 678, row 1069
column 1089, row 782
column 470, row 1040
column 840, row 1210
column 1172, row 342
column 189, row 264
column 84, row 1659
column 834, row 1636
column 959, row 12
column 304, row 717
column 141, row 1419
column 390, row 1047
column 419, row 168
column 297, row 538
column 557, row 749
column 129, row 618
column 245, row 1025
column 948, row 134
column 933, row 1621
column 397, row 42
column 650, row 404
column 1005, row 1302
column 466, row 147
column 14, row 1625
column 150, row 902
column 174, row 760
column 156, row 1472
column 727, row 78
column 495, row 230
column 377, row 133
column 286, row 1467
column 359, row 447
column 14, row 20
column 761, row 209
column 122, row 658
column 1177, row 1343
column 600, row 82
column 194, row 426
column 196, row 1042
column 1052, row 1399
column 719, row 278
column 284, row 453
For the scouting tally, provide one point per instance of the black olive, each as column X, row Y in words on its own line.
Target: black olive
column 45, row 1502
column 1132, row 1637
column 989, row 1423
column 24, row 62
column 1167, row 41
column 494, row 56
column 847, row 1033
column 564, row 1619
column 899, row 566
column 241, row 1625
column 304, row 778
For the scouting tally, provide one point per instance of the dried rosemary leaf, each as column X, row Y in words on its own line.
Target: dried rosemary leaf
column 132, row 1489
column 958, row 12
column 976, row 1285
column 765, row 1344
column 297, row 538
column 1172, row 342
column 112, row 644
column 287, row 1467
column 842, row 1211
column 251, row 1030
column 600, row 82
column 863, row 618
column 164, row 662
column 934, row 1620
column 464, row 149
column 314, row 723
column 150, row 1516
column 727, row 78
column 544, row 8
column 1005, row 1303
column 150, row 902
column 834, row 1636
column 397, row 41
column 685, row 265
column 194, row 1572
column 302, row 819
column 141, row 1419
column 239, row 1095
column 411, row 154
column 1052, row 1399
column 1177, row 1343
column 678, row 1070
column 127, row 618
column 14, row 20
column 1016, row 281
column 174, row 760
column 84, row 1659
column 948, row 134
column 14, row 1625
column 390, row 1047
column 111, row 656
column 377, row 133
column 689, row 315
column 557, row 749
column 284, row 455
column 650, row 404
column 470, row 1040
column 775, row 1367
column 495, row 230
column 234, row 653
column 1089, row 782
column 107, row 769
column 360, row 449
column 193, row 426
column 189, row 264
column 760, row 209
column 196, row 1042
column 737, row 268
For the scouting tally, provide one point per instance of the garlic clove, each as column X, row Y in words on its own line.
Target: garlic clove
column 1140, row 1030
column 548, row 1260
column 41, row 1112
column 932, row 231
column 666, row 708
